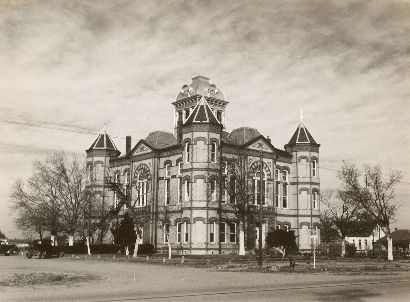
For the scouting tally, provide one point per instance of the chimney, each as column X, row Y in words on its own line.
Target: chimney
column 179, row 131
column 268, row 139
column 127, row 145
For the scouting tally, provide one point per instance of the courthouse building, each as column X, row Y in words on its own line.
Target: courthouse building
column 179, row 176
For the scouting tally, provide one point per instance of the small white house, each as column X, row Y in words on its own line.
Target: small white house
column 364, row 242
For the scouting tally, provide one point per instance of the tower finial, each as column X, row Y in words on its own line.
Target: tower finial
column 301, row 115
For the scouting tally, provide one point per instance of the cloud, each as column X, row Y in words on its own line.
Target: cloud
column 86, row 63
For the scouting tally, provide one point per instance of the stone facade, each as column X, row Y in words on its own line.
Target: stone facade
column 179, row 177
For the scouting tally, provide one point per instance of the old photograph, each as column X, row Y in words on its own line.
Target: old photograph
column 204, row 150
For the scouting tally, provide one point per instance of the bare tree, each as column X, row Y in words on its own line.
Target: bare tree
column 344, row 214
column 240, row 196
column 375, row 194
column 38, row 197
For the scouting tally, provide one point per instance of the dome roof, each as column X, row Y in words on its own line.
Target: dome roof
column 161, row 139
column 243, row 135
column 200, row 86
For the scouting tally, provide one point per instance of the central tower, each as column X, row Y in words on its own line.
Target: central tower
column 189, row 96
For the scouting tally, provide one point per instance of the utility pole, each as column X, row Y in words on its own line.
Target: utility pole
column 261, row 195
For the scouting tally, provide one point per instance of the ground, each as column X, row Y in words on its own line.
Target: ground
column 114, row 281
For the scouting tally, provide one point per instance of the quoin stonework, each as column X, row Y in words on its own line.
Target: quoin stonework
column 176, row 177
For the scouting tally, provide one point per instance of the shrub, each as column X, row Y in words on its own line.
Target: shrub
column 335, row 250
column 350, row 250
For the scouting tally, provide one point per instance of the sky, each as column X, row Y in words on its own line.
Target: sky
column 69, row 67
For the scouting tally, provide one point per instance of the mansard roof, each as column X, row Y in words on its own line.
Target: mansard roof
column 202, row 114
column 302, row 136
column 161, row 139
column 103, row 142
column 200, row 86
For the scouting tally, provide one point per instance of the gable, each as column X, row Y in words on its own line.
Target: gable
column 141, row 149
column 260, row 145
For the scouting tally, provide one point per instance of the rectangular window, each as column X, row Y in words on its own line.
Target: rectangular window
column 167, row 191
column 166, row 232
column 213, row 152
column 286, row 227
column 213, row 190
column 127, row 177
column 314, row 197
column 285, row 176
column 167, row 170
column 314, row 168
column 277, row 189
column 180, row 168
column 179, row 232
column 187, row 191
column 186, row 237
column 257, row 198
column 222, row 232
column 232, row 232
column 232, row 191
column 224, row 193
column 224, row 167
column 212, row 232
column 187, row 152
column 179, row 189
column 142, row 198
column 285, row 196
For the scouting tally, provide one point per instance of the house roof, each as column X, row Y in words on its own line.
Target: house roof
column 302, row 136
column 103, row 142
column 200, row 86
column 202, row 113
column 399, row 236
column 161, row 139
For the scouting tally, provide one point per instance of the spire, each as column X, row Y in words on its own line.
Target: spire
column 202, row 113
column 302, row 134
column 103, row 141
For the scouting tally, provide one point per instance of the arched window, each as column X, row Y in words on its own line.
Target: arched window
column 314, row 168
column 315, row 200
column 285, row 179
column 187, row 152
column 142, row 176
column 213, row 152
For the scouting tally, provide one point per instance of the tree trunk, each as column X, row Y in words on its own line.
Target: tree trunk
column 136, row 247
column 343, row 247
column 70, row 240
column 127, row 252
column 241, row 238
column 389, row 248
column 88, row 246
column 169, row 251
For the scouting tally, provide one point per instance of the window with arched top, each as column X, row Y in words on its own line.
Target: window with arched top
column 187, row 152
column 142, row 177
column 260, row 186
